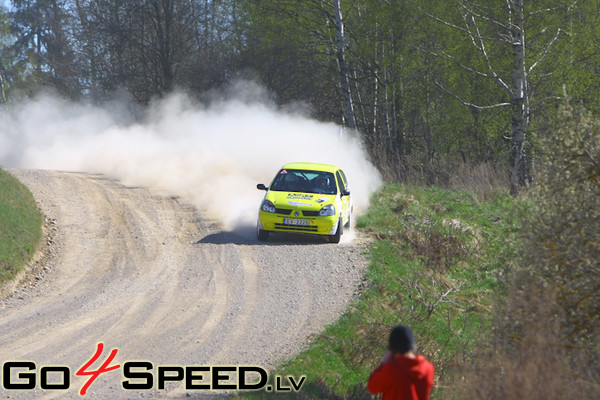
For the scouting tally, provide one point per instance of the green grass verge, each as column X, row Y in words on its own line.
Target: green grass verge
column 20, row 226
column 437, row 264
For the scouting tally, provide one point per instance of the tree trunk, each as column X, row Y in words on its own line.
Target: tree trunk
column 343, row 67
column 2, row 91
column 519, row 99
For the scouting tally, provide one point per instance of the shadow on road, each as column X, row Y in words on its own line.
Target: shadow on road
column 249, row 239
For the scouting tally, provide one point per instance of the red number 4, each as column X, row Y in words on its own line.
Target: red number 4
column 94, row 374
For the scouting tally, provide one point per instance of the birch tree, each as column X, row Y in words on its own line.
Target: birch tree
column 385, row 76
column 301, row 47
column 488, row 27
column 344, row 72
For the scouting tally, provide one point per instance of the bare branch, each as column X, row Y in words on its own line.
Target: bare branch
column 451, row 25
column 587, row 151
column 446, row 56
column 476, row 39
column 463, row 4
column 444, row 298
column 546, row 50
column 466, row 103
column 471, row 34
column 550, row 9
column 487, row 59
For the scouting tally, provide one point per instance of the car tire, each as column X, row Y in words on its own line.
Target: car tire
column 335, row 238
column 263, row 236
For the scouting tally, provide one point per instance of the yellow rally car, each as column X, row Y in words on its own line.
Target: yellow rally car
column 306, row 198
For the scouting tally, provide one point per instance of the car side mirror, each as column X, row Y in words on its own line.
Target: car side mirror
column 346, row 193
column 261, row 186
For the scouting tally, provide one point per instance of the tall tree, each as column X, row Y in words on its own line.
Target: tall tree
column 582, row 55
column 500, row 32
column 4, row 55
column 139, row 46
column 344, row 72
column 44, row 44
column 291, row 48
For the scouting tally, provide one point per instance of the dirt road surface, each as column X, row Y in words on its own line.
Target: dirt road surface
column 144, row 273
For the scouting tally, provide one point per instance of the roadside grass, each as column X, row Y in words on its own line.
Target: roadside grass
column 20, row 226
column 438, row 263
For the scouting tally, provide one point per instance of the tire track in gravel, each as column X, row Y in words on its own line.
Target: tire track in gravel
column 145, row 273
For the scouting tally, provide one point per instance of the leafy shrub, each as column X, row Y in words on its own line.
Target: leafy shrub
column 545, row 339
column 564, row 243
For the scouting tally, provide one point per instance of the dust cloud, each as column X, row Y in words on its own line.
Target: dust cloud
column 210, row 155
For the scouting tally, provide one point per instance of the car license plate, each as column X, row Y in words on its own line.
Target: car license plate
column 301, row 222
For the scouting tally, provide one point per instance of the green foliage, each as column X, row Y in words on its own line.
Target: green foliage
column 410, row 64
column 43, row 53
column 20, row 226
column 565, row 244
column 579, row 69
column 288, row 48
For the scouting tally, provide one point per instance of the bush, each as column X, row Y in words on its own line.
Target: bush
column 564, row 243
column 545, row 339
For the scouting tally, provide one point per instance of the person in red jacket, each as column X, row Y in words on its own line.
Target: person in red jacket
column 402, row 375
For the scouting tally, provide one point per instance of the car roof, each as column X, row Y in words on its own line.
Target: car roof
column 311, row 166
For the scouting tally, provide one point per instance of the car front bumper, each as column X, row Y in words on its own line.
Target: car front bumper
column 314, row 225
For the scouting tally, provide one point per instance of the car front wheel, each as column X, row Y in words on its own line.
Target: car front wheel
column 335, row 238
column 263, row 236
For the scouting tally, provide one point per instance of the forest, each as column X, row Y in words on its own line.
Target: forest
column 428, row 85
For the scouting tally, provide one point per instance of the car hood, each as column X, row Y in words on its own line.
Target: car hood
column 300, row 199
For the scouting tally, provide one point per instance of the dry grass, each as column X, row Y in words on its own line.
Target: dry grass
column 483, row 180
column 528, row 356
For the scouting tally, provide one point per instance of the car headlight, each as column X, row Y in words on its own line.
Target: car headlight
column 327, row 211
column 268, row 206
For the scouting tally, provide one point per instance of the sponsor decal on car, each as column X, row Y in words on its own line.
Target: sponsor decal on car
column 300, row 196
column 298, row 204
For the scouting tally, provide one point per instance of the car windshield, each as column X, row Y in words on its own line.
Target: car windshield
column 295, row 180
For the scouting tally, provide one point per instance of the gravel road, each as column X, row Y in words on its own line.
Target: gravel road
column 144, row 273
